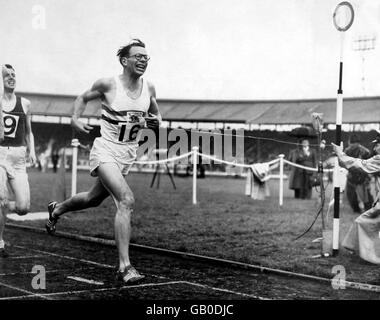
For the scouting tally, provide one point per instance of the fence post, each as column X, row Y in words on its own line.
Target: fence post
column 75, row 145
column 281, row 193
column 195, row 158
column 248, row 182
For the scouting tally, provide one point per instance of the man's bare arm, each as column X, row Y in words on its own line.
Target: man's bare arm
column 371, row 165
column 29, row 137
column 153, row 120
column 99, row 88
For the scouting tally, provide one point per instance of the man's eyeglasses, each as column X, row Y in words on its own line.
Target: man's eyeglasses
column 140, row 57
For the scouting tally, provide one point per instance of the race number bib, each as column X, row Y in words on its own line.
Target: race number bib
column 128, row 131
column 10, row 125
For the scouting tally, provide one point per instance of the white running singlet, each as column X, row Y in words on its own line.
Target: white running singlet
column 123, row 120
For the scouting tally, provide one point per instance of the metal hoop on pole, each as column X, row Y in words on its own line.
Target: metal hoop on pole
column 343, row 16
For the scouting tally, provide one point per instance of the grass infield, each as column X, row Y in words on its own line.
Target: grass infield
column 224, row 224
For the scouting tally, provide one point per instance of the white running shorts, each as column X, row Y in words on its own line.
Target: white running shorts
column 105, row 151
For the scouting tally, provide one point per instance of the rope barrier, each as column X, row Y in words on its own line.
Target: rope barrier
column 165, row 160
column 203, row 156
column 248, row 137
column 234, row 163
column 242, row 165
column 306, row 168
column 224, row 161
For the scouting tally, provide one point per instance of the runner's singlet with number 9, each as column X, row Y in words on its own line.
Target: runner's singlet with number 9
column 14, row 125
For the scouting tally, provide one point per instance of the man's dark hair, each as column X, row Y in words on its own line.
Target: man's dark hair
column 124, row 51
column 8, row 66
column 354, row 138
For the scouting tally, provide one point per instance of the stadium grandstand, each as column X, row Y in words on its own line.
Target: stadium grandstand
column 259, row 119
column 251, row 115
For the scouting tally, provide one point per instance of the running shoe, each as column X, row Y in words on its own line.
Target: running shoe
column 129, row 275
column 52, row 221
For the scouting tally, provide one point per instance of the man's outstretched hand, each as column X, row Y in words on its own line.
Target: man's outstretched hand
column 80, row 126
column 338, row 150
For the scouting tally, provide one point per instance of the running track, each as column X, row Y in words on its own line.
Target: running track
column 77, row 269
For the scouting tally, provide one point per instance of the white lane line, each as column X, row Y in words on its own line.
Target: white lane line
column 70, row 258
column 32, row 216
column 30, row 272
column 24, row 257
column 95, row 290
column 140, row 286
column 83, row 260
column 224, row 290
column 31, row 294
column 86, row 280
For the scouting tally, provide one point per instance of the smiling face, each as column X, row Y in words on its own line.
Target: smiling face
column 9, row 79
column 137, row 61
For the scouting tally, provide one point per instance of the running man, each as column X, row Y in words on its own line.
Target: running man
column 128, row 104
column 17, row 146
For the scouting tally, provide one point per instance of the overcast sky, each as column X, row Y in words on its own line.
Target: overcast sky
column 200, row 49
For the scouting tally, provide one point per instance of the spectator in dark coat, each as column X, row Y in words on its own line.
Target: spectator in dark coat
column 54, row 159
column 300, row 179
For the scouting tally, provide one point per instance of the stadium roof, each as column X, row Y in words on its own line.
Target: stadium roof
column 356, row 110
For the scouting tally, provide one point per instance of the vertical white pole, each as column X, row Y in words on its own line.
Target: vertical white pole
column 342, row 28
column 195, row 157
column 248, row 183
column 338, row 141
column 75, row 145
column 281, row 193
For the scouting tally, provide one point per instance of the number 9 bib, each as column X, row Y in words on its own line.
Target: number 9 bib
column 10, row 125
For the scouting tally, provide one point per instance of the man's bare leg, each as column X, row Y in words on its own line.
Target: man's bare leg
column 20, row 187
column 3, row 215
column 2, row 223
column 92, row 198
column 83, row 200
column 113, row 180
